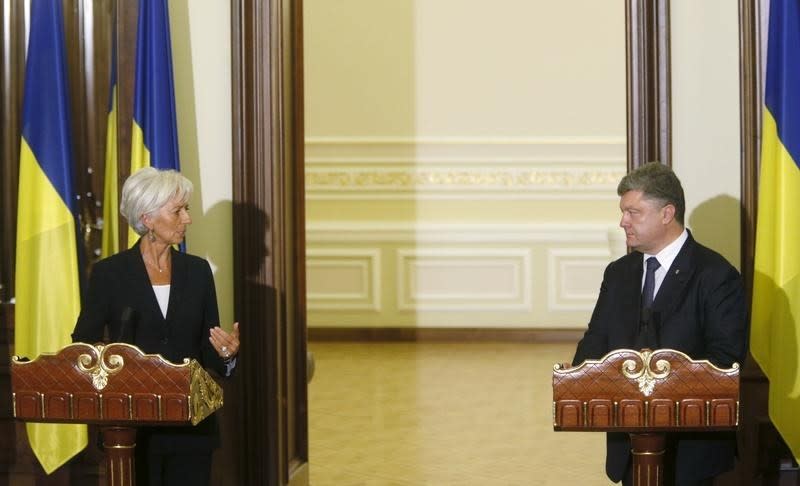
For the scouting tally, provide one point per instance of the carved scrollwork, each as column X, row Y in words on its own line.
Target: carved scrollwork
column 205, row 394
column 643, row 373
column 100, row 366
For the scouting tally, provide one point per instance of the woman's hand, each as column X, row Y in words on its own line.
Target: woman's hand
column 226, row 343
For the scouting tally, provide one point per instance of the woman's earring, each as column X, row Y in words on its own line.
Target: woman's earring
column 151, row 236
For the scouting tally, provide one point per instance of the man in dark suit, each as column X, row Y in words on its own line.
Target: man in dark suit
column 668, row 292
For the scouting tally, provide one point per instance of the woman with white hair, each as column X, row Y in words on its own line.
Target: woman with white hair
column 164, row 302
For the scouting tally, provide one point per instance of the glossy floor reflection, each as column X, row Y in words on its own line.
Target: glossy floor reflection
column 440, row 414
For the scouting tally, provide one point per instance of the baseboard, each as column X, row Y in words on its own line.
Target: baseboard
column 413, row 334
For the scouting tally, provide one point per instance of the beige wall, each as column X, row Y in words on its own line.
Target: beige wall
column 705, row 110
column 461, row 168
column 461, row 160
column 201, row 53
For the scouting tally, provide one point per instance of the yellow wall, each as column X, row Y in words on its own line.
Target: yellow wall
column 461, row 160
column 705, row 110
column 201, row 50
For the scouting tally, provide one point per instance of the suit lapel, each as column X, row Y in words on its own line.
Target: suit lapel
column 178, row 282
column 138, row 280
column 632, row 293
column 676, row 280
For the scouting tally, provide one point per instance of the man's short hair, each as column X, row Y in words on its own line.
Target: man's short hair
column 657, row 182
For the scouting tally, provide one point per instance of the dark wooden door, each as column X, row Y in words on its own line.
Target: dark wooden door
column 269, row 241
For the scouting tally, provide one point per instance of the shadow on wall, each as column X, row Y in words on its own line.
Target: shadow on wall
column 715, row 223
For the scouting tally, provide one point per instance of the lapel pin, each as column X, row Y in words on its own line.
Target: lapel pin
column 677, row 271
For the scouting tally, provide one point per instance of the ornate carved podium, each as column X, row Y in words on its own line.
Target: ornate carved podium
column 116, row 386
column 646, row 394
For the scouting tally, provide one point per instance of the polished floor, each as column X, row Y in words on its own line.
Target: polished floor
column 440, row 414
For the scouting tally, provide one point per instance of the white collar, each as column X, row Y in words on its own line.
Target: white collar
column 668, row 254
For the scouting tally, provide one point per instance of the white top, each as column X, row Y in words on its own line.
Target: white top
column 665, row 257
column 162, row 296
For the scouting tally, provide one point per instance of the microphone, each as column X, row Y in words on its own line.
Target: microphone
column 126, row 321
column 646, row 316
column 649, row 330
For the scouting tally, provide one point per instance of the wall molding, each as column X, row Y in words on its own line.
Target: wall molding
column 367, row 261
column 514, row 262
column 489, row 182
column 559, row 261
column 438, row 334
column 537, row 270
column 346, row 168
column 377, row 231
column 423, row 150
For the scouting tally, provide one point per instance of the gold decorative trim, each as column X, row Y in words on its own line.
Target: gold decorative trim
column 737, row 413
column 502, row 179
column 205, row 395
column 585, row 414
column 566, row 368
column 23, row 361
column 649, row 453
column 645, row 376
column 100, row 366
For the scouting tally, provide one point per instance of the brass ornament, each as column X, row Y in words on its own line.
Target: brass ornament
column 100, row 366
column 205, row 395
column 644, row 375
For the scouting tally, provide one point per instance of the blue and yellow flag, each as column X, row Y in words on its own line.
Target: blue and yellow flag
column 154, row 138
column 110, row 243
column 775, row 330
column 47, row 278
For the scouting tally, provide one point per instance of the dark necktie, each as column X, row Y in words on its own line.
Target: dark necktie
column 649, row 282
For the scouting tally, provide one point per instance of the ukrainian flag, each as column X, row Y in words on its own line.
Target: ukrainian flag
column 110, row 243
column 154, row 137
column 775, row 332
column 47, row 279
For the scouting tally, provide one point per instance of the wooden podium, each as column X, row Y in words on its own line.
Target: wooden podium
column 646, row 394
column 116, row 386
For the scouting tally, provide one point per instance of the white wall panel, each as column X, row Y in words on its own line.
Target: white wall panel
column 481, row 275
column 447, row 279
column 574, row 277
column 343, row 279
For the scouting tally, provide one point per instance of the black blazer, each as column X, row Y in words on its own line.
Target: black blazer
column 121, row 301
column 699, row 310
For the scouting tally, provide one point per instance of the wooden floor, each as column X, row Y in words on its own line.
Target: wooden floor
column 439, row 414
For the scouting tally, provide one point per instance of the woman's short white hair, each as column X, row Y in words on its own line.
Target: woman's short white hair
column 148, row 190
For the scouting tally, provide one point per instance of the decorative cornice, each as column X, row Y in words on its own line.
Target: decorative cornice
column 378, row 231
column 457, row 168
column 503, row 182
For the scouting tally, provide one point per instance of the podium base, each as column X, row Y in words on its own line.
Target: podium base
column 119, row 444
column 648, row 459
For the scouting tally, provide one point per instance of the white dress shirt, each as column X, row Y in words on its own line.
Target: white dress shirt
column 665, row 257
